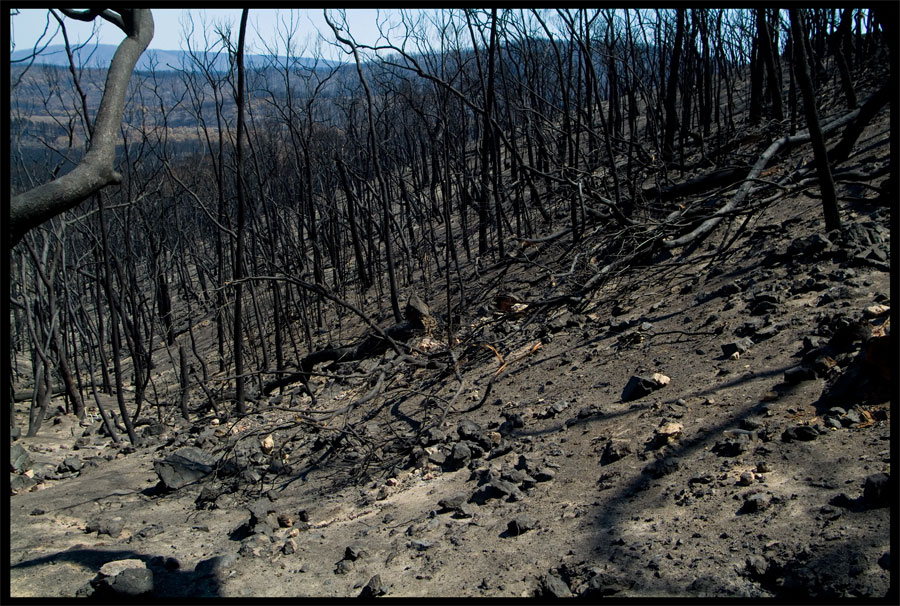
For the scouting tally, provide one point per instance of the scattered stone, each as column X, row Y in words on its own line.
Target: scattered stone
column 667, row 433
column 184, row 466
column 875, row 311
column 757, row 566
column 795, row 375
column 432, row 436
column 639, row 386
column 421, row 544
column 544, row 474
column 289, row 547
column 614, row 450
column 37, row 511
column 374, row 588
column 354, row 552
column 520, row 525
column 763, row 467
column 19, row 483
column 746, row 479
column 149, row 531
column 267, row 444
column 343, row 567
column 132, row 581
column 71, row 463
column 661, row 467
column 110, row 526
column 740, row 346
column 757, row 501
column 497, row 489
column 803, row 433
column 460, row 455
column 19, row 459
column 468, row 430
column 453, row 502
column 551, row 586
column 217, row 566
column 605, row 584
column 555, row 408
column 877, row 490
column 436, row 456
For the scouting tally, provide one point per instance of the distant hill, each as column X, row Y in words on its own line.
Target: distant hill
column 163, row 60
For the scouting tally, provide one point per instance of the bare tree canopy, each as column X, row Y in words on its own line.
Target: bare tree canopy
column 95, row 171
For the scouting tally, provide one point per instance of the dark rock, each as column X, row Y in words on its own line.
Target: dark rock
column 216, row 566
column 803, row 433
column 497, row 489
column 757, row 566
column 555, row 408
column 433, row 436
column 71, row 463
column 262, row 513
column 289, row 547
column 544, row 474
column 661, row 467
column 373, row 588
column 111, row 526
column 733, row 446
column 468, row 430
column 20, row 483
column 740, row 346
column 795, row 375
column 453, row 502
column 516, row 476
column 19, row 459
column 851, row 417
column 421, row 544
column 615, row 450
column 757, row 501
column 460, row 455
column 184, row 466
column 877, row 490
column 37, row 511
column 520, row 525
column 149, row 531
column 438, row 457
column 746, row 479
column 354, row 552
column 131, row 582
column 154, row 429
column 551, row 586
column 639, row 386
column 605, row 584
column 530, row 463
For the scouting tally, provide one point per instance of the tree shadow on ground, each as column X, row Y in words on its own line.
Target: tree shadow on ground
column 168, row 580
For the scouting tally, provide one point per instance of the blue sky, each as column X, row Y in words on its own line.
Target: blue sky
column 27, row 26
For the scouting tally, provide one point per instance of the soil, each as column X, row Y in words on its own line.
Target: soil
column 737, row 478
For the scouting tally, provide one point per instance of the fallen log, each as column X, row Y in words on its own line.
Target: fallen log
column 697, row 185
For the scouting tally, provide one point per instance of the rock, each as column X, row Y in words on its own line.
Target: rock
column 877, row 490
column 875, row 311
column 740, row 346
column 149, row 531
column 614, row 450
column 639, row 386
column 153, row 430
column 373, row 588
column 667, row 433
column 795, row 375
column 764, row 303
column 343, row 567
column 110, row 526
column 756, row 502
column 19, row 459
column 267, row 444
column 123, row 578
column 851, row 417
column 421, row 544
column 217, row 566
column 803, row 433
column 746, row 479
column 468, row 430
column 520, row 525
column 71, row 463
column 354, row 552
column 20, row 483
column 661, row 467
column 551, row 586
column 183, row 467
column 453, row 502
column 432, row 436
column 544, row 474
column 437, row 456
column 605, row 584
column 757, row 566
column 555, row 408
column 289, row 547
column 460, row 455
column 497, row 489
